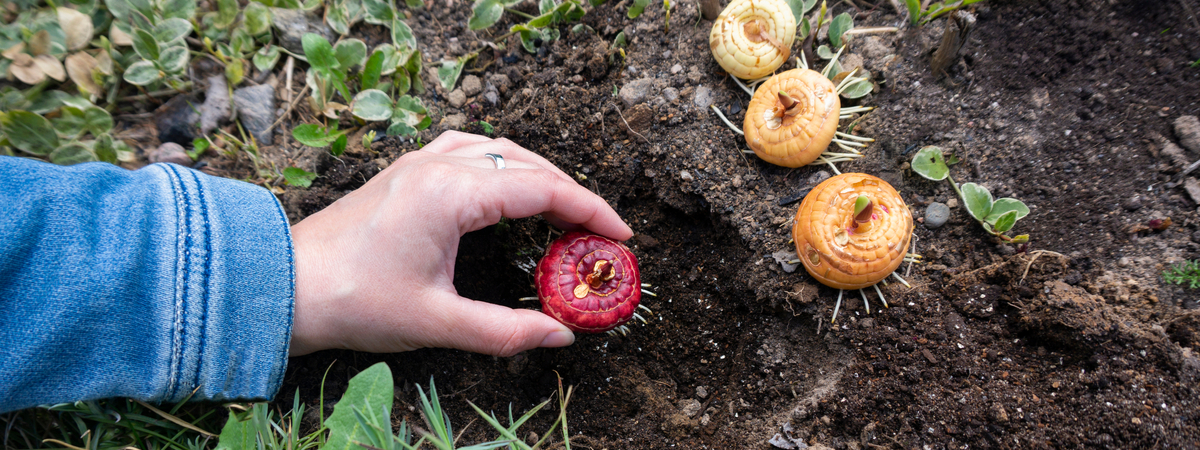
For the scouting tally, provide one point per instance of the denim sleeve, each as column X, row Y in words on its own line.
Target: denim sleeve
column 148, row 284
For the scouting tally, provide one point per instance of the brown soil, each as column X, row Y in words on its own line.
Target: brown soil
column 1063, row 104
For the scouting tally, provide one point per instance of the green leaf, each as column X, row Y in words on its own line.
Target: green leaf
column 448, row 73
column 413, row 65
column 797, row 7
column 318, row 52
column 178, row 9
column 29, row 132
column 227, row 11
column 545, row 6
column 239, row 431
column 838, row 27
column 424, row 123
column 104, row 150
column 97, row 121
column 401, row 129
column 119, row 9
column 858, row 89
column 70, row 122
column 145, row 45
column 199, row 146
column 824, row 52
column 1005, row 222
column 312, row 135
column 411, row 104
column 805, row 28
column 294, row 176
column 71, row 154
column 338, row 17
column 485, row 13
column 914, row 11
column 235, row 71
column 378, row 12
column 637, row 8
column 174, row 60
column 339, row 145
column 402, row 36
column 266, row 58
column 1005, row 205
column 350, row 53
column 978, row 200
column 372, row 105
column 171, row 31
column 930, row 164
column 401, row 81
column 142, row 73
column 369, row 77
column 256, row 18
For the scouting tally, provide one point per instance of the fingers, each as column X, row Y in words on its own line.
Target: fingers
column 453, row 140
column 523, row 193
column 470, row 146
column 492, row 329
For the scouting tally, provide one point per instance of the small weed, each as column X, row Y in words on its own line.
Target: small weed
column 996, row 216
column 295, row 176
column 1187, row 272
column 918, row 16
column 488, row 128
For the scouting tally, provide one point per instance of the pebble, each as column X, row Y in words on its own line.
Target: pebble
column 704, row 97
column 818, row 177
column 457, row 98
column 501, row 81
column 636, row 91
column 1132, row 204
column 216, row 107
column 952, row 203
column 1123, row 262
column 676, row 68
column 936, row 215
column 686, row 176
column 701, row 391
column 1193, row 189
column 176, row 120
column 471, row 85
column 455, row 121
column 256, row 110
column 1187, row 129
column 671, row 94
column 170, row 152
column 293, row 24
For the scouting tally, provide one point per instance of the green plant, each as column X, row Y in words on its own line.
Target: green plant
column 314, row 135
column 61, row 140
column 486, row 13
column 1185, row 272
column 859, row 85
column 996, row 216
column 920, row 13
column 156, row 30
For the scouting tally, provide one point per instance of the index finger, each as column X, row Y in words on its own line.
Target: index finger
column 519, row 193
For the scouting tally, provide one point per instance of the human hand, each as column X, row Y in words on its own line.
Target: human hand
column 375, row 270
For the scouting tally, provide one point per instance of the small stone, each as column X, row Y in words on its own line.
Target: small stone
column 471, row 85
column 176, row 120
column 701, row 392
column 1193, row 189
column 1187, row 129
column 170, row 152
column 685, row 175
column 952, row 203
column 1124, row 261
column 492, row 97
column 501, row 81
column 818, row 177
column 671, row 94
column 676, row 69
column 256, row 110
column 1175, row 153
column 936, row 215
column 704, row 97
column 457, row 98
column 293, row 24
column 216, row 107
column 1132, row 204
column 636, row 91
column 455, row 121
column 690, row 407
column 998, row 413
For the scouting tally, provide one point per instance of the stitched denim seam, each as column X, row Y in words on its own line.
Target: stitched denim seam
column 187, row 272
column 277, row 380
column 177, row 328
column 207, row 278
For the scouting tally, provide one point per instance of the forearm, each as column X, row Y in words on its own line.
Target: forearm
column 146, row 284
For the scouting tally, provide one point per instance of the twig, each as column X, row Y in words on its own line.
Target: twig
column 1035, row 255
column 873, row 30
column 614, row 105
column 287, row 70
column 156, row 94
column 289, row 110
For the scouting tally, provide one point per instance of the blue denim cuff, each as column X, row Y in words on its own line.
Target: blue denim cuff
column 235, row 292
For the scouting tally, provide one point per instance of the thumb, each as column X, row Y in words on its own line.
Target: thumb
column 492, row 329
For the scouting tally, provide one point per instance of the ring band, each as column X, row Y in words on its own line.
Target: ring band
column 498, row 159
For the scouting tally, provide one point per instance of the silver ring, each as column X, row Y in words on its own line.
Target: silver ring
column 498, row 159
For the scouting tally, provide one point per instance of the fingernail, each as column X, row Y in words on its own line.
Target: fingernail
column 560, row 338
